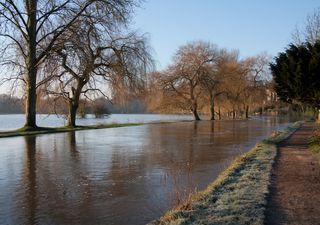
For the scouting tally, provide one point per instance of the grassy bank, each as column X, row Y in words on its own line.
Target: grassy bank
column 238, row 195
column 48, row 130
column 314, row 143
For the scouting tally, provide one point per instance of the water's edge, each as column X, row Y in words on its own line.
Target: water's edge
column 241, row 189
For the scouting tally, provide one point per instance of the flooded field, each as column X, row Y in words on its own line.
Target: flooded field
column 127, row 175
column 15, row 121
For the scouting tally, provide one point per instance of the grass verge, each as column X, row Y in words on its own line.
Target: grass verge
column 314, row 143
column 48, row 130
column 238, row 195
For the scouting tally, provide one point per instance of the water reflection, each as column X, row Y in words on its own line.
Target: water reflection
column 30, row 179
column 127, row 175
column 74, row 153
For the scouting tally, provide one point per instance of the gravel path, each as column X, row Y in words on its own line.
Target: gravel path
column 295, row 187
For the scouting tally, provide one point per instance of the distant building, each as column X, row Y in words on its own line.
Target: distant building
column 271, row 95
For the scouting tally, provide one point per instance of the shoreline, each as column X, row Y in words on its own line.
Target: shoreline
column 238, row 195
column 51, row 130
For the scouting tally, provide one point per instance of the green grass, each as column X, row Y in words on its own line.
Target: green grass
column 48, row 130
column 238, row 195
column 314, row 144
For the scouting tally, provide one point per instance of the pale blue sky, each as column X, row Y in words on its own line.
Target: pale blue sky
column 252, row 26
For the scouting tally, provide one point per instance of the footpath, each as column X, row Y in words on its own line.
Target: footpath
column 295, row 182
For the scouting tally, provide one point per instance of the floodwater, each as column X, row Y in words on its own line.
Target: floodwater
column 128, row 175
column 15, row 121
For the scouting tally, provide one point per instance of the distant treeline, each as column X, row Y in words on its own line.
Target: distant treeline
column 100, row 106
column 10, row 104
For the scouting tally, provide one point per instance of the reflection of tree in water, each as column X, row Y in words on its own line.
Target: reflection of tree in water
column 57, row 188
column 183, row 149
column 73, row 183
column 212, row 126
column 30, row 179
column 74, row 153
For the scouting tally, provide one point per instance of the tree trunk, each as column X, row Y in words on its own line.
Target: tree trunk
column 31, row 100
column 194, row 107
column 73, row 107
column 233, row 113
column 31, row 81
column 195, row 114
column 74, row 102
column 247, row 111
column 212, row 106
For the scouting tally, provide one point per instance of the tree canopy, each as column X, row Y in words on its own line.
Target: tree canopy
column 296, row 73
column 31, row 30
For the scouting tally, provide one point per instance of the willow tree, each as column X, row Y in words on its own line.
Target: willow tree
column 213, row 80
column 88, row 61
column 257, row 73
column 183, row 78
column 33, row 28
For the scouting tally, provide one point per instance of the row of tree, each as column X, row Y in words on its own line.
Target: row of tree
column 10, row 104
column 70, row 48
column 74, row 49
column 206, row 78
column 99, row 106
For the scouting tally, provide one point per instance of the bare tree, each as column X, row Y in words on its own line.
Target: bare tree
column 311, row 30
column 257, row 74
column 213, row 80
column 87, row 61
column 34, row 28
column 191, row 62
column 235, row 84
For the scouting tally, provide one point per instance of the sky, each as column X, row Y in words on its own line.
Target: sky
column 252, row 26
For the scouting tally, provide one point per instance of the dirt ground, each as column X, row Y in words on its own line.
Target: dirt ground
column 295, row 188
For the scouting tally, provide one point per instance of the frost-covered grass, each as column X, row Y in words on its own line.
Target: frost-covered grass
column 238, row 195
column 48, row 130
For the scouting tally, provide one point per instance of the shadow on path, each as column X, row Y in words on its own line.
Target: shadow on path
column 295, row 182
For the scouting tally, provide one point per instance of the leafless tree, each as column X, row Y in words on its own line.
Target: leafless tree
column 34, row 28
column 213, row 80
column 310, row 32
column 257, row 74
column 87, row 61
column 235, row 84
column 183, row 78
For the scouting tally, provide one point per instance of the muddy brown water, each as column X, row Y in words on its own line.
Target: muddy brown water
column 128, row 175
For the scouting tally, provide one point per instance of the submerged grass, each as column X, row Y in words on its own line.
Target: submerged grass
column 238, row 195
column 48, row 130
